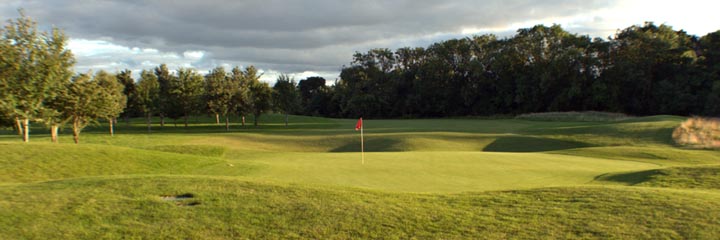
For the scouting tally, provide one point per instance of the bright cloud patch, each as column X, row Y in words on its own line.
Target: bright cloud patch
column 103, row 55
column 197, row 55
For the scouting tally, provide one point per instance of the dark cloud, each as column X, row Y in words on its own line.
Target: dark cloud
column 297, row 34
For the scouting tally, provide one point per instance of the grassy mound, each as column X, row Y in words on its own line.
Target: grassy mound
column 587, row 116
column 216, row 208
column 658, row 155
column 707, row 177
column 640, row 131
column 200, row 150
column 41, row 162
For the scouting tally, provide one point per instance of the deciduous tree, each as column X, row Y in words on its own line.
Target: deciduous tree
column 113, row 99
column 148, row 94
column 82, row 103
column 220, row 90
column 33, row 68
column 285, row 96
column 186, row 92
column 130, row 91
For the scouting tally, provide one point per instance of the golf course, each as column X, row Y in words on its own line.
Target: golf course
column 466, row 178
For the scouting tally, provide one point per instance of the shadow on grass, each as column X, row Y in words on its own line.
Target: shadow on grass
column 632, row 178
column 530, row 144
column 659, row 134
column 371, row 145
column 200, row 150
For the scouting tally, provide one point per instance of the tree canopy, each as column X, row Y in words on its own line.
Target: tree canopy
column 33, row 68
column 644, row 70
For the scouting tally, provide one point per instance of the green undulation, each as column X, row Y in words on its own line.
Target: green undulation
column 702, row 177
column 221, row 208
column 431, row 178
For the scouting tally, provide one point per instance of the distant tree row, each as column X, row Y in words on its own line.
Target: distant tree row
column 37, row 85
column 186, row 93
column 643, row 70
column 238, row 92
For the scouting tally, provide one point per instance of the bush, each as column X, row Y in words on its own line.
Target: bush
column 698, row 132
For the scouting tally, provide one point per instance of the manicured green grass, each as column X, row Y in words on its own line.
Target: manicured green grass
column 434, row 171
column 428, row 178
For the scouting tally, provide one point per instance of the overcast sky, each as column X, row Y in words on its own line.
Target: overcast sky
column 317, row 37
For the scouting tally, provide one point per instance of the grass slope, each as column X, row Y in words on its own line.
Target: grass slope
column 225, row 208
column 447, row 178
column 707, row 177
column 42, row 162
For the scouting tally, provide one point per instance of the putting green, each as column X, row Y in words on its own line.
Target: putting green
column 433, row 171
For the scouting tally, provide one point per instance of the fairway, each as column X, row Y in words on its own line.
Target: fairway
column 446, row 178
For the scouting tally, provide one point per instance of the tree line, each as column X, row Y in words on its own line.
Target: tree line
column 642, row 70
column 186, row 92
column 37, row 84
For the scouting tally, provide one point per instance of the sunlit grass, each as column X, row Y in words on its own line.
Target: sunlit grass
column 428, row 178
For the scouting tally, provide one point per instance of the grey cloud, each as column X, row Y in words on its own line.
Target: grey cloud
column 293, row 35
column 286, row 24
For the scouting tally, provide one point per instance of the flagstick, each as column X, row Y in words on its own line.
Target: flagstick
column 362, row 144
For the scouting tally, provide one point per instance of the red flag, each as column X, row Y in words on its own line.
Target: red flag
column 358, row 126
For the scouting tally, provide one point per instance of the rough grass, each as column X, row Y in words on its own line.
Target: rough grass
column 200, row 150
column 587, row 116
column 439, row 179
column 707, row 177
column 225, row 208
column 42, row 162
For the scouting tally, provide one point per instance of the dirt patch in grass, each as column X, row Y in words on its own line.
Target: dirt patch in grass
column 186, row 199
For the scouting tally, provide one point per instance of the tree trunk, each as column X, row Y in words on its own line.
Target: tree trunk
column 54, row 133
column 255, row 120
column 243, row 120
column 186, row 120
column 112, row 131
column 286, row 119
column 26, row 130
column 148, row 121
column 19, row 126
column 227, row 123
column 217, row 119
column 162, row 120
column 76, row 131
